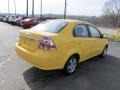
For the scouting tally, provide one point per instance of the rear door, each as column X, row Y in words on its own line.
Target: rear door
column 96, row 40
column 82, row 37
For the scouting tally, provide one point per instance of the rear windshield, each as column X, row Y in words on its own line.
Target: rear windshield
column 53, row 26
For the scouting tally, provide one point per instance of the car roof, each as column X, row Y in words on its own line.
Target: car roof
column 73, row 21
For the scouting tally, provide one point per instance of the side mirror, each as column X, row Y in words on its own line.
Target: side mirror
column 102, row 36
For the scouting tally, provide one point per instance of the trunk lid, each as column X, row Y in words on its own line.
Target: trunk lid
column 30, row 39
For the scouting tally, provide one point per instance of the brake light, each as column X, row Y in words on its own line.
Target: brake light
column 47, row 44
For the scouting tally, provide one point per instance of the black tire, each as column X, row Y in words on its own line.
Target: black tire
column 71, row 65
column 104, row 52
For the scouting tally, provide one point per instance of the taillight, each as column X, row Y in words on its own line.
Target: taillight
column 47, row 44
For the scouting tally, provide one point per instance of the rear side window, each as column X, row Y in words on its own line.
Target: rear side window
column 81, row 31
column 53, row 26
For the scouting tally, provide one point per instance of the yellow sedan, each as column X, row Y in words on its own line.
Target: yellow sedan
column 60, row 44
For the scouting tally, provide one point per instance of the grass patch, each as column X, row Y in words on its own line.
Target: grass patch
column 114, row 37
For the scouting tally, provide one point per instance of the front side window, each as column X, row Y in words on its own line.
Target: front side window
column 94, row 32
column 81, row 31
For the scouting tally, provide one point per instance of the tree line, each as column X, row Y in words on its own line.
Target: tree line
column 111, row 12
column 110, row 16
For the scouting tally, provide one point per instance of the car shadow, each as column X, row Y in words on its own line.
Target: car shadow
column 93, row 74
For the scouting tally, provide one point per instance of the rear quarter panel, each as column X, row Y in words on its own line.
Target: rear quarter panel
column 65, row 44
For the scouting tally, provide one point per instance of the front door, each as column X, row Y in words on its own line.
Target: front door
column 96, row 40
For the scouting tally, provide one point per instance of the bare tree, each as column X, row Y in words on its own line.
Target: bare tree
column 112, row 12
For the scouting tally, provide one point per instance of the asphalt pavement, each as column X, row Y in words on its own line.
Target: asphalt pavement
column 93, row 74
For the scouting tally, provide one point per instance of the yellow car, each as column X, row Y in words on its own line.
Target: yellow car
column 60, row 44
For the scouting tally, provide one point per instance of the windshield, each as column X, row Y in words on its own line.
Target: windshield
column 53, row 26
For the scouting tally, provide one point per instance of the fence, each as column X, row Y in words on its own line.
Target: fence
column 111, row 34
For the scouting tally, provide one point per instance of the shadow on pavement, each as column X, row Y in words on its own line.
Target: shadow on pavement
column 94, row 74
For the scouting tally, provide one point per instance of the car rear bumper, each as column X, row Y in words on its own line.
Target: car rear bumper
column 25, row 24
column 41, row 60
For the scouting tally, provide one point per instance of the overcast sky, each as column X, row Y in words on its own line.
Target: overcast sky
column 75, row 7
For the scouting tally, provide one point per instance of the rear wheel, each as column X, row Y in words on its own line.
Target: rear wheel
column 71, row 65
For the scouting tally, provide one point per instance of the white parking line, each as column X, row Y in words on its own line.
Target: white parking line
column 3, row 62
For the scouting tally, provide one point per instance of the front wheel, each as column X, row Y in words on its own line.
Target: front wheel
column 71, row 65
column 104, row 53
